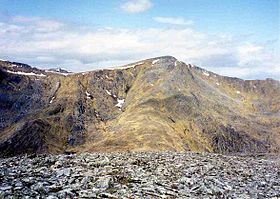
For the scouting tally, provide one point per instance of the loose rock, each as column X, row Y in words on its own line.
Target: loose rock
column 140, row 175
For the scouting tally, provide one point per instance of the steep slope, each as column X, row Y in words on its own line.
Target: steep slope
column 153, row 105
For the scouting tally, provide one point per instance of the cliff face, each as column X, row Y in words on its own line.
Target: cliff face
column 153, row 105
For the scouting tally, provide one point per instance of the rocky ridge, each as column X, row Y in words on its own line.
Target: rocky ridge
column 140, row 175
column 158, row 104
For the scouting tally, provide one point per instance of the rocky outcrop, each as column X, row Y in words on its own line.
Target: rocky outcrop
column 30, row 138
column 158, row 104
column 230, row 141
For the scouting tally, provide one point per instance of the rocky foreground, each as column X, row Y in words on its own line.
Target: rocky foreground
column 140, row 175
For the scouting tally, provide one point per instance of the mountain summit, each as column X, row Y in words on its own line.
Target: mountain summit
column 158, row 104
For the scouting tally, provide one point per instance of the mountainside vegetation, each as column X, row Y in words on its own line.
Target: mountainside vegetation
column 159, row 104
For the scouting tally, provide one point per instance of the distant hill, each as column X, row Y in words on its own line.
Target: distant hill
column 158, row 104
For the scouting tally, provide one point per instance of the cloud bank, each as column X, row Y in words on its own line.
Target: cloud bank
column 49, row 43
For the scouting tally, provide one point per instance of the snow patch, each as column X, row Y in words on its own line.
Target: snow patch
column 52, row 100
column 108, row 92
column 205, row 73
column 238, row 92
column 152, row 84
column 130, row 66
column 28, row 74
column 120, row 103
column 217, row 83
column 177, row 62
column 155, row 61
column 55, row 72
column 89, row 96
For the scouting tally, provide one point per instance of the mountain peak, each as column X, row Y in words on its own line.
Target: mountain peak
column 167, row 57
column 157, row 104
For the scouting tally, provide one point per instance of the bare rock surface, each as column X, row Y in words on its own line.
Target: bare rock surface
column 140, row 175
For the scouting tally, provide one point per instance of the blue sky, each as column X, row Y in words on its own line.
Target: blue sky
column 242, row 35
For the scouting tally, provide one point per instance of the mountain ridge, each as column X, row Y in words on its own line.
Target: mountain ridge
column 156, row 104
column 62, row 70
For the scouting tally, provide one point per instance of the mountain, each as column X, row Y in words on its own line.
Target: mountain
column 158, row 104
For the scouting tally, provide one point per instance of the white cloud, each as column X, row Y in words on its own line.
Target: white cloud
column 86, row 49
column 136, row 6
column 22, row 19
column 173, row 20
column 250, row 53
column 39, row 24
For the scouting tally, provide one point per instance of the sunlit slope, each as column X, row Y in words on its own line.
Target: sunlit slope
column 174, row 106
column 152, row 105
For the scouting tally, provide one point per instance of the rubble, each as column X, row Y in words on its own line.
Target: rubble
column 140, row 175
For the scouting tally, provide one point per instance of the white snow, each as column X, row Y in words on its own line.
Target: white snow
column 114, row 96
column 155, row 61
column 130, row 66
column 108, row 92
column 52, row 100
column 238, row 92
column 55, row 72
column 88, row 95
column 152, row 84
column 205, row 73
column 106, row 76
column 120, row 103
column 217, row 83
column 23, row 73
column 177, row 62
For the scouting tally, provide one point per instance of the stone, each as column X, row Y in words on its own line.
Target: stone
column 65, row 172
column 104, row 182
column 85, row 182
column 107, row 195
column 51, row 197
column 66, row 193
column 6, row 188
column 39, row 187
column 54, row 188
column 142, row 175
column 28, row 181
